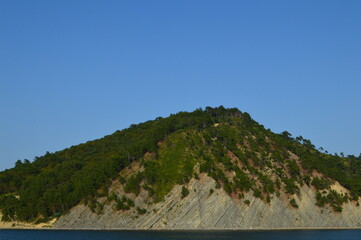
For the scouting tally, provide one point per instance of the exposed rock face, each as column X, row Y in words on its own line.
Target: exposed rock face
column 202, row 209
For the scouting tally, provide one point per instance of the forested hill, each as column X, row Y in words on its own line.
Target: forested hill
column 172, row 150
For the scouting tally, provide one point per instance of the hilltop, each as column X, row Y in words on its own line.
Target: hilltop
column 211, row 168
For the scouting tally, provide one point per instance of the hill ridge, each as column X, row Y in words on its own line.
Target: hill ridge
column 227, row 145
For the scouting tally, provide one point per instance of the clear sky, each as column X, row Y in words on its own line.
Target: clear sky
column 73, row 71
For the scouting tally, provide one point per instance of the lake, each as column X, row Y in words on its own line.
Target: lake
column 180, row 235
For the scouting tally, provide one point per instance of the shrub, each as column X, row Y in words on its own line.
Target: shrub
column 133, row 184
column 293, row 168
column 124, row 203
column 290, row 187
column 320, row 200
column 185, row 192
column 228, row 187
column 320, row 183
column 141, row 211
column 293, row 203
column 257, row 193
column 268, row 199
column 307, row 179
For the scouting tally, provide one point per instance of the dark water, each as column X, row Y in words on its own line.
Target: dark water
column 181, row 235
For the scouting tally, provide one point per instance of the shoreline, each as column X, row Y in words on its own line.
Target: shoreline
column 191, row 229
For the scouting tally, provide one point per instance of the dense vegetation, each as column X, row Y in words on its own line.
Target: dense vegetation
column 239, row 153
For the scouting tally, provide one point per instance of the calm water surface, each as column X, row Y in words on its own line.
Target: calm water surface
column 181, row 235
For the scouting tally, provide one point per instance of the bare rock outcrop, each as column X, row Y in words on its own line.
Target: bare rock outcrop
column 209, row 208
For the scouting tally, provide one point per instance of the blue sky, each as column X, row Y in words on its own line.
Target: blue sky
column 73, row 71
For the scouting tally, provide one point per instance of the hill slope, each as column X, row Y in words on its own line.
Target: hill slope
column 202, row 210
column 213, row 162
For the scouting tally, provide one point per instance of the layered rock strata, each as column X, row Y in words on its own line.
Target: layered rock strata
column 209, row 208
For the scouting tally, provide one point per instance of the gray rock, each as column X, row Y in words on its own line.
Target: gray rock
column 202, row 210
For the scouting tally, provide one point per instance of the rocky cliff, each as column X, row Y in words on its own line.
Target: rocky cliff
column 207, row 207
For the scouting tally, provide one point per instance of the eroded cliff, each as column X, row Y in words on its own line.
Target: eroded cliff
column 207, row 207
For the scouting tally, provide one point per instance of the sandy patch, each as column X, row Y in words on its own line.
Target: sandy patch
column 16, row 224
